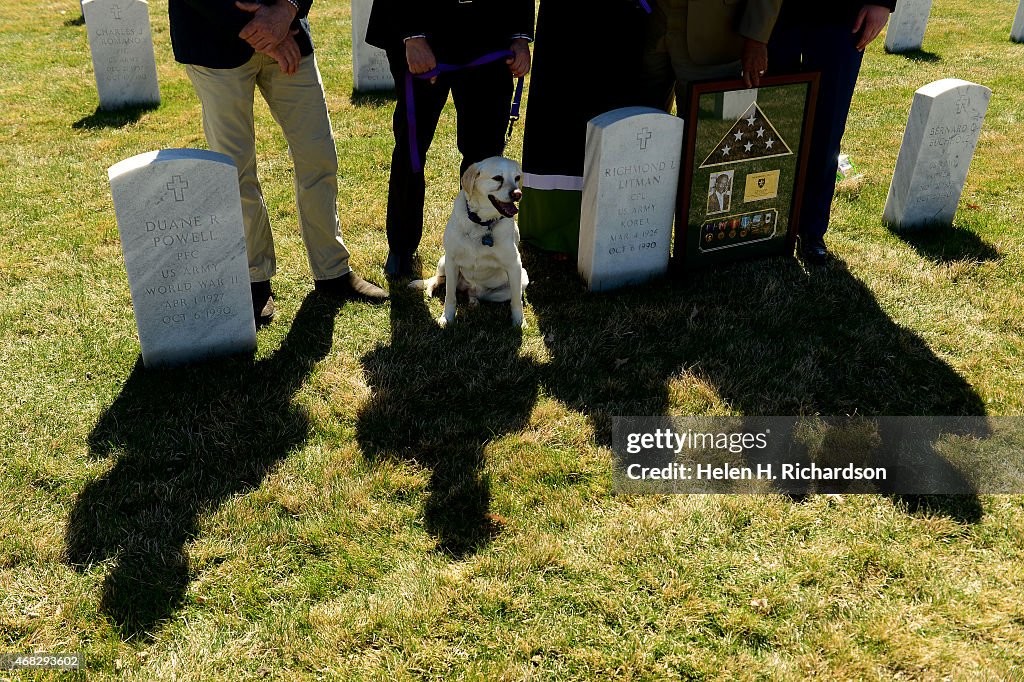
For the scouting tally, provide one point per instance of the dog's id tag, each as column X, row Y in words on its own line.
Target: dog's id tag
column 487, row 239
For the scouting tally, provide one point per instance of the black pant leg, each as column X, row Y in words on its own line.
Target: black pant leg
column 406, row 188
column 483, row 97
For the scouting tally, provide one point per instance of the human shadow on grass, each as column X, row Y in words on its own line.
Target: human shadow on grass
column 764, row 338
column 117, row 118
column 439, row 396
column 949, row 245
column 184, row 441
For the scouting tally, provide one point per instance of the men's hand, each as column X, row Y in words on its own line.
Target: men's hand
column 870, row 22
column 519, row 62
column 286, row 54
column 269, row 25
column 420, row 57
column 755, row 61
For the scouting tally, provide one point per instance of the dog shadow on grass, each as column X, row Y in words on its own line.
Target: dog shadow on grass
column 184, row 441
column 439, row 397
column 756, row 338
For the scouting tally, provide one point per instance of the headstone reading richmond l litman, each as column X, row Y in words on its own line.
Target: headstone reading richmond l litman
column 180, row 219
column 122, row 52
column 630, row 179
column 942, row 133
column 370, row 68
column 1017, row 32
column 907, row 26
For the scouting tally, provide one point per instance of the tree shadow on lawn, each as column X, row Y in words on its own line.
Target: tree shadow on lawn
column 186, row 440
column 439, row 397
column 767, row 338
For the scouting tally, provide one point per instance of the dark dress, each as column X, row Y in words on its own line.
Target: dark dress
column 586, row 62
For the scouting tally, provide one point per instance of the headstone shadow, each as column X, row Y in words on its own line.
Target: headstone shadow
column 439, row 396
column 77, row 21
column 117, row 118
column 756, row 338
column 923, row 56
column 949, row 245
column 375, row 98
column 184, row 441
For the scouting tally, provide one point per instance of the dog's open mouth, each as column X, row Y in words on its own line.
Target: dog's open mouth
column 508, row 209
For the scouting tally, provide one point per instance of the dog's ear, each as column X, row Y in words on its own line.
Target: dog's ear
column 469, row 179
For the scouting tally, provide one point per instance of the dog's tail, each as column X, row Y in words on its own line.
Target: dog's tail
column 420, row 284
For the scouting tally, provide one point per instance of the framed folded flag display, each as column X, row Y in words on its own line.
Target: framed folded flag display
column 744, row 160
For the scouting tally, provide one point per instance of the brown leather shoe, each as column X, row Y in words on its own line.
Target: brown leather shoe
column 262, row 303
column 350, row 286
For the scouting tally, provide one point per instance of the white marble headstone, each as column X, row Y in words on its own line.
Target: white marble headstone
column 122, row 52
column 370, row 69
column 938, row 145
column 180, row 219
column 1017, row 32
column 731, row 105
column 907, row 25
column 630, row 179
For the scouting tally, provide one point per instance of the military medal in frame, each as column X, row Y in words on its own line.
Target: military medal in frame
column 743, row 169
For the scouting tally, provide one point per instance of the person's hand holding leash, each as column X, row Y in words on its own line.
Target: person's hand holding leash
column 420, row 57
column 519, row 63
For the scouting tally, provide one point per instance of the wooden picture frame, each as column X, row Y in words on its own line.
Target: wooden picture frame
column 744, row 167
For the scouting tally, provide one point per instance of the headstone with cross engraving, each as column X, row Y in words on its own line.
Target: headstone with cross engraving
column 630, row 178
column 179, row 216
column 1017, row 32
column 938, row 145
column 370, row 68
column 122, row 52
column 907, row 26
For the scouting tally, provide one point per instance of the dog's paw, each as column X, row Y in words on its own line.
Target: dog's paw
column 443, row 321
column 520, row 321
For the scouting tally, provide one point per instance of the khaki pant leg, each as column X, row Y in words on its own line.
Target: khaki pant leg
column 299, row 106
column 227, row 99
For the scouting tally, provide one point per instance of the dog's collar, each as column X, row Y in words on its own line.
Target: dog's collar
column 488, row 238
column 480, row 221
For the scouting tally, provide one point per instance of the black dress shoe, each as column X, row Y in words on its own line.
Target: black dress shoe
column 813, row 250
column 350, row 286
column 398, row 265
column 262, row 303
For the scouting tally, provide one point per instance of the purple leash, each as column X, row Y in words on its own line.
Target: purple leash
column 410, row 106
column 647, row 8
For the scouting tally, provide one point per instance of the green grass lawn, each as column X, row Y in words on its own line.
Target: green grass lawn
column 372, row 498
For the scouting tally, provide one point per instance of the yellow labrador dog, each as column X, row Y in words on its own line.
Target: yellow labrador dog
column 481, row 242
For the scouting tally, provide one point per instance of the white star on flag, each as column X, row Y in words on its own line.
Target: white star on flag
column 760, row 133
column 738, row 135
column 726, row 149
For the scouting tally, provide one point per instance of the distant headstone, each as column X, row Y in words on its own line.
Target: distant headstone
column 630, row 180
column 1017, row 32
column 729, row 106
column 122, row 52
column 180, row 219
column 942, row 133
column 907, row 26
column 370, row 68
